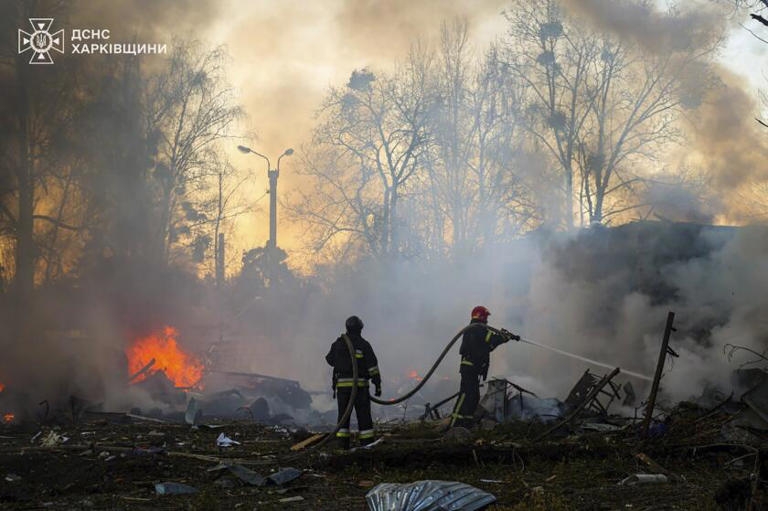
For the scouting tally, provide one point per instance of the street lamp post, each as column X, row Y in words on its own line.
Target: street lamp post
column 273, row 175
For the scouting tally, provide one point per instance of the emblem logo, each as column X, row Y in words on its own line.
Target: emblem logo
column 41, row 41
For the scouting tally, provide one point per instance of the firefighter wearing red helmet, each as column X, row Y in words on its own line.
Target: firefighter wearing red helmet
column 476, row 345
column 367, row 369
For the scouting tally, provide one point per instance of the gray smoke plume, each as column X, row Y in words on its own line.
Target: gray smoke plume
column 698, row 26
column 724, row 140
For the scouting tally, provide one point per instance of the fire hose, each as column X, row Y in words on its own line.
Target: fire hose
column 431, row 369
column 394, row 401
column 388, row 402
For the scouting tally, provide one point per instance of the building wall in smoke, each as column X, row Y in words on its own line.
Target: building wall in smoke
column 604, row 293
column 638, row 252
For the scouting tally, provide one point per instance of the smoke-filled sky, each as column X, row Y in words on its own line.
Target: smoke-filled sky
column 723, row 141
column 286, row 54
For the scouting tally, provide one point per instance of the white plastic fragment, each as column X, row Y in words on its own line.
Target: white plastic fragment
column 224, row 441
column 53, row 439
column 643, row 479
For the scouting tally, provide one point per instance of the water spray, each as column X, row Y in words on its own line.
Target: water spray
column 585, row 359
column 390, row 402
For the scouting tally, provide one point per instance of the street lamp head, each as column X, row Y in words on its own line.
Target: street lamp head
column 244, row 149
column 288, row 152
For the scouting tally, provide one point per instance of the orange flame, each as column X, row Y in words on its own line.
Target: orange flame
column 183, row 369
column 2, row 386
column 414, row 375
column 8, row 417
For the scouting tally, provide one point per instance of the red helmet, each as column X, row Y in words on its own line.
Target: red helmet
column 481, row 313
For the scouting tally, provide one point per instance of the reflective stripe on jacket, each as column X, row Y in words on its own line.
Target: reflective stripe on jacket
column 476, row 346
column 367, row 364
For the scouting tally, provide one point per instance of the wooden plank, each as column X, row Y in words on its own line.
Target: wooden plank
column 308, row 441
column 588, row 399
column 657, row 378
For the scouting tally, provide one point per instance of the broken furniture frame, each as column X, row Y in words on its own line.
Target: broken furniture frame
column 432, row 411
column 584, row 387
column 501, row 406
column 587, row 399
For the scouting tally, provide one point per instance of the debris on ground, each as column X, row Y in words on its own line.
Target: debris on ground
column 643, row 479
column 427, row 496
column 246, row 475
column 527, row 452
column 283, row 476
column 174, row 489
column 224, row 441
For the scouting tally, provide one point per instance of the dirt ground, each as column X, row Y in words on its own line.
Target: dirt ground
column 110, row 464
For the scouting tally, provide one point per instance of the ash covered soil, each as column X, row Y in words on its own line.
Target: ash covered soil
column 106, row 465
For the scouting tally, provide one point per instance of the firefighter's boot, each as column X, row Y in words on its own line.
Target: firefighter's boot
column 343, row 443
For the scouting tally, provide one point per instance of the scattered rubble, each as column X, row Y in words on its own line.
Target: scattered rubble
column 528, row 452
column 174, row 489
column 224, row 441
column 427, row 496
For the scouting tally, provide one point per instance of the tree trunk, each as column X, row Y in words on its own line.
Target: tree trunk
column 25, row 250
column 569, row 197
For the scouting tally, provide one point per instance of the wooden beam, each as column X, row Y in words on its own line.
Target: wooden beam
column 588, row 399
column 657, row 377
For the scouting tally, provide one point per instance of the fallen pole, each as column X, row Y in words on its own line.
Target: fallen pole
column 589, row 397
column 657, row 377
column 255, row 375
column 429, row 409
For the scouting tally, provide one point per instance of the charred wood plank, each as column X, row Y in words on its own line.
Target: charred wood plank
column 668, row 329
column 142, row 371
column 587, row 400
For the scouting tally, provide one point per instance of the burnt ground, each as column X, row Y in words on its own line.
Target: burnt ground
column 105, row 465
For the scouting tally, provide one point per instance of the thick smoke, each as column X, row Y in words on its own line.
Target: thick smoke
column 289, row 53
column 602, row 293
column 575, row 294
column 158, row 20
column 699, row 26
column 372, row 26
column 722, row 137
column 726, row 136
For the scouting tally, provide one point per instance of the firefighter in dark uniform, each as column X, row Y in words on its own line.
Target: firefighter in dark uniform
column 476, row 345
column 367, row 369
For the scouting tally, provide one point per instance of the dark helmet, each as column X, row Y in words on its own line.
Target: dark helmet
column 354, row 325
column 481, row 313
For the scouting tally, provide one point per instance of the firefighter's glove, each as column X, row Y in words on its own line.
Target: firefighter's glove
column 378, row 391
column 507, row 335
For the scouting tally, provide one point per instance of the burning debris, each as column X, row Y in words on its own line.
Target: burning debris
column 160, row 351
column 458, row 177
column 521, row 444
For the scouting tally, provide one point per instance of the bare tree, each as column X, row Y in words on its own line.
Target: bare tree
column 189, row 108
column 601, row 107
column 212, row 215
column 633, row 102
column 554, row 62
column 367, row 147
column 475, row 141
column 37, row 105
